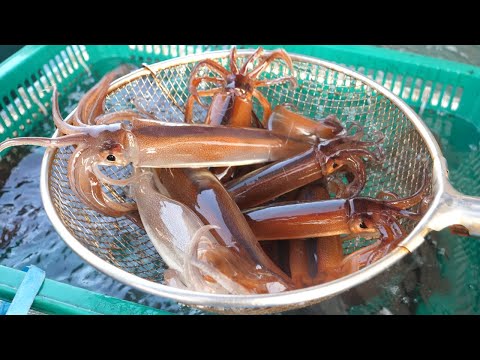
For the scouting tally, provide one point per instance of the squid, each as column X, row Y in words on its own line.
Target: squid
column 123, row 138
column 195, row 259
column 323, row 159
column 201, row 191
column 375, row 218
column 233, row 98
column 295, row 127
column 232, row 102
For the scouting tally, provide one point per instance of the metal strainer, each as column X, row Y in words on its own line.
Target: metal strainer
column 123, row 251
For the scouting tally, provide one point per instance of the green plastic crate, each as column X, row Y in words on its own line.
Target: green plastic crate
column 423, row 82
column 56, row 298
column 439, row 84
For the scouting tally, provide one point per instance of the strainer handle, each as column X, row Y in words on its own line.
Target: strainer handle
column 456, row 208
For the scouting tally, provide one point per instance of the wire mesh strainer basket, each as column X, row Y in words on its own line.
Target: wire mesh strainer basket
column 122, row 250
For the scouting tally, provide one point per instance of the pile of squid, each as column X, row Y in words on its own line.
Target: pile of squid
column 242, row 204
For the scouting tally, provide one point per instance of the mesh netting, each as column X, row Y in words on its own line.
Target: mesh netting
column 321, row 91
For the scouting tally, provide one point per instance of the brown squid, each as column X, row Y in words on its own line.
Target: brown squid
column 233, row 99
column 123, row 138
column 196, row 260
column 200, row 191
column 368, row 217
column 294, row 127
column 319, row 161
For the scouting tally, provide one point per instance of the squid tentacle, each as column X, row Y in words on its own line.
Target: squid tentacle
column 198, row 94
column 262, row 83
column 67, row 140
column 197, row 280
column 65, row 128
column 277, row 54
column 120, row 116
column 117, row 182
column 212, row 65
column 356, row 152
column 356, row 166
column 62, row 126
column 85, row 184
column 250, row 60
column 414, row 199
column 92, row 104
column 387, row 194
column 233, row 60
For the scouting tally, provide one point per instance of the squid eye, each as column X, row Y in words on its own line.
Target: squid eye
column 363, row 225
column 335, row 165
column 111, row 157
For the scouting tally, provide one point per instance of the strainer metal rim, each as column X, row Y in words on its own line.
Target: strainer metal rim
column 293, row 297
